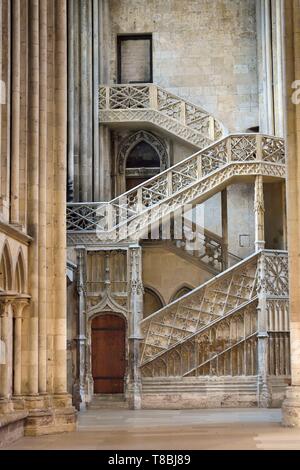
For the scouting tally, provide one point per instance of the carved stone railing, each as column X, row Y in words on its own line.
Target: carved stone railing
column 191, row 181
column 273, row 285
column 215, row 350
column 198, row 309
column 214, row 329
column 202, row 244
column 151, row 103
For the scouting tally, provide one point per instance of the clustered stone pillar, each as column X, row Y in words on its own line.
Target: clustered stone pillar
column 88, row 65
column 35, row 123
column 104, row 165
column 136, row 315
column 270, row 53
column 291, row 405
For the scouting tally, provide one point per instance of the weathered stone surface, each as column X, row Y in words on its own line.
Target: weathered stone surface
column 205, row 51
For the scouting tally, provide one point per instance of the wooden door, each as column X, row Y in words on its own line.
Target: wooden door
column 108, row 353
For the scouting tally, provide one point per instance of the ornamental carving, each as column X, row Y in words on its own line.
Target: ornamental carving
column 190, row 122
column 129, row 215
column 128, row 143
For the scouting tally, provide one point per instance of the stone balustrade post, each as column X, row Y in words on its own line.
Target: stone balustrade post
column 136, row 315
column 80, row 383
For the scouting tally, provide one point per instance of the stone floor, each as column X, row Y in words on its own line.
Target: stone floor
column 169, row 429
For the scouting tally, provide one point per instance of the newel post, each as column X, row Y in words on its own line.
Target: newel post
column 136, row 315
column 153, row 101
column 263, row 389
column 81, row 339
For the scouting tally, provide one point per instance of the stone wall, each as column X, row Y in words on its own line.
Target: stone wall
column 166, row 272
column 203, row 50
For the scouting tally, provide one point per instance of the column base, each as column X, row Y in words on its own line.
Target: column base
column 6, row 406
column 134, row 397
column 47, row 414
column 291, row 407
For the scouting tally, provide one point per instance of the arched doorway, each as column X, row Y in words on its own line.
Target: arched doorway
column 108, row 353
column 142, row 163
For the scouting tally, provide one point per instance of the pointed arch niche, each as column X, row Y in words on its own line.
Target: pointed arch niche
column 5, row 269
column 141, row 156
column 19, row 278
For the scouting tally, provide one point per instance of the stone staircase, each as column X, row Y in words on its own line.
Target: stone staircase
column 195, row 312
column 149, row 104
column 213, row 338
column 192, row 181
column 216, row 332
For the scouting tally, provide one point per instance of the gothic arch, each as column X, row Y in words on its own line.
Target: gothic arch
column 153, row 301
column 182, row 290
column 129, row 142
column 6, row 268
column 20, row 277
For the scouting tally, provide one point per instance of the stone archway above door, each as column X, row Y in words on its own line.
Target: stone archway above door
column 129, row 142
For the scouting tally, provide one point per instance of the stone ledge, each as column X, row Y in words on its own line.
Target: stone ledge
column 51, row 421
column 12, row 427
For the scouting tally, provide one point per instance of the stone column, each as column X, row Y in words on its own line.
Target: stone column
column 60, row 158
column 104, row 42
column 18, row 307
column 136, row 315
column 16, row 107
column 291, row 405
column 224, row 215
column 42, row 242
column 72, row 78
column 86, row 99
column 80, row 384
column 84, row 42
column 95, row 101
column 6, row 369
column 4, row 339
column 265, row 66
column 33, row 189
column 5, row 108
column 277, row 7
column 259, row 210
column 264, row 396
column 105, row 192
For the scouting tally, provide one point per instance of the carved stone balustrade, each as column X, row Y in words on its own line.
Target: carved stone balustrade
column 218, row 328
column 190, row 181
column 151, row 103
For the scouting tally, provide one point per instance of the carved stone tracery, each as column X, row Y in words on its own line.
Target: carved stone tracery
column 128, row 143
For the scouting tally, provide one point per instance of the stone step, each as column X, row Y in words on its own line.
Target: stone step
column 108, row 401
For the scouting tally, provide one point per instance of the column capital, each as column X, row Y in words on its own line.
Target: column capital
column 19, row 303
column 6, row 298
